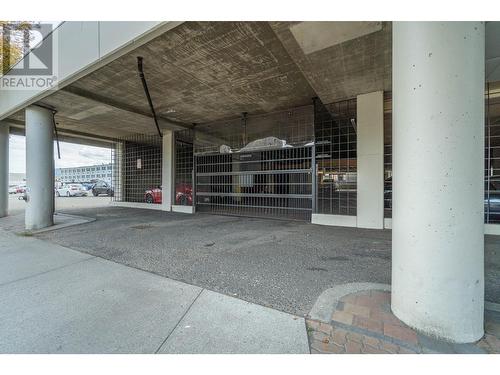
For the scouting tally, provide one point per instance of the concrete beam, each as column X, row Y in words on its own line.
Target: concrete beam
column 164, row 123
column 65, row 135
column 102, row 100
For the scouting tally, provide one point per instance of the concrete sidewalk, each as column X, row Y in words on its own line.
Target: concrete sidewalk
column 57, row 300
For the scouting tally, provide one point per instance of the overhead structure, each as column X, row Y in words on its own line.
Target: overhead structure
column 395, row 137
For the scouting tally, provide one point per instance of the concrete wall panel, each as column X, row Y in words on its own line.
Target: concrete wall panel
column 370, row 152
column 113, row 34
column 77, row 46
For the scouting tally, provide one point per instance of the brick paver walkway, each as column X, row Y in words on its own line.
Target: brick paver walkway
column 363, row 323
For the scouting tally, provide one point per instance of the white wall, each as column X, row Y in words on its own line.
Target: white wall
column 334, row 220
column 167, row 173
column 370, row 155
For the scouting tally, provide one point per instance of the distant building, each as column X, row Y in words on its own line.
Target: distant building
column 84, row 174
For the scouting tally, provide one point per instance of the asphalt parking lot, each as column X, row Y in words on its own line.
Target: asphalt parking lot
column 281, row 264
column 17, row 206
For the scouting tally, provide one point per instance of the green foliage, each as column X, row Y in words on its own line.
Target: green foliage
column 17, row 39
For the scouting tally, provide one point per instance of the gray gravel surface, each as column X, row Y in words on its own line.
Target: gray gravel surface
column 281, row 264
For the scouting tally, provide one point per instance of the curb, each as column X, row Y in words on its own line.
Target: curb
column 327, row 302
column 77, row 220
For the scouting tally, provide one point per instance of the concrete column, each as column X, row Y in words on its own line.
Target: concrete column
column 4, row 169
column 167, row 170
column 370, row 155
column 39, row 164
column 117, row 179
column 438, row 140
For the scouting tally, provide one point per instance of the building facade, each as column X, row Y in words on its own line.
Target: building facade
column 86, row 173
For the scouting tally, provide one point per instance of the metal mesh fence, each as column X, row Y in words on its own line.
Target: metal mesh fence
column 278, row 182
column 137, row 166
column 492, row 155
column 335, row 132
column 387, row 155
column 294, row 126
column 271, row 183
column 256, row 165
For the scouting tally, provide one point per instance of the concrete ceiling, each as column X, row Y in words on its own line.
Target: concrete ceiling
column 197, row 72
column 200, row 72
column 356, row 57
column 205, row 71
column 79, row 115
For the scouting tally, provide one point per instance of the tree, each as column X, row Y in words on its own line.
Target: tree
column 15, row 40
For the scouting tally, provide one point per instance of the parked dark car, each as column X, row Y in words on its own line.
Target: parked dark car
column 88, row 185
column 492, row 205
column 102, row 187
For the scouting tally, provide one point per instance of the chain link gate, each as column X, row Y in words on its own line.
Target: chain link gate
column 274, row 183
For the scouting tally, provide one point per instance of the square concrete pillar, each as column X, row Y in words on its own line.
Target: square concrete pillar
column 118, row 171
column 370, row 155
column 167, row 169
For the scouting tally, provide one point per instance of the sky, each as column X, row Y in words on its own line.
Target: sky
column 72, row 155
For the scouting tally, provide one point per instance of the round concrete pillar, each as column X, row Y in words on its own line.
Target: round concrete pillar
column 438, row 178
column 39, row 165
column 4, row 169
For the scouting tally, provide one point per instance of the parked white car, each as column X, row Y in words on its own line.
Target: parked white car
column 12, row 189
column 71, row 190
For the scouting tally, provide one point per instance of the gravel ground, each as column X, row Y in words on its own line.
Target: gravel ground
column 281, row 264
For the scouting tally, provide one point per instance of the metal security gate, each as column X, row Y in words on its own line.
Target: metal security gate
column 273, row 183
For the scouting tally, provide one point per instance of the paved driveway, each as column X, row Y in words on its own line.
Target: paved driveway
column 280, row 264
column 56, row 300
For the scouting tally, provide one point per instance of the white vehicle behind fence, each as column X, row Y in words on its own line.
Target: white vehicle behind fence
column 12, row 189
column 71, row 190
